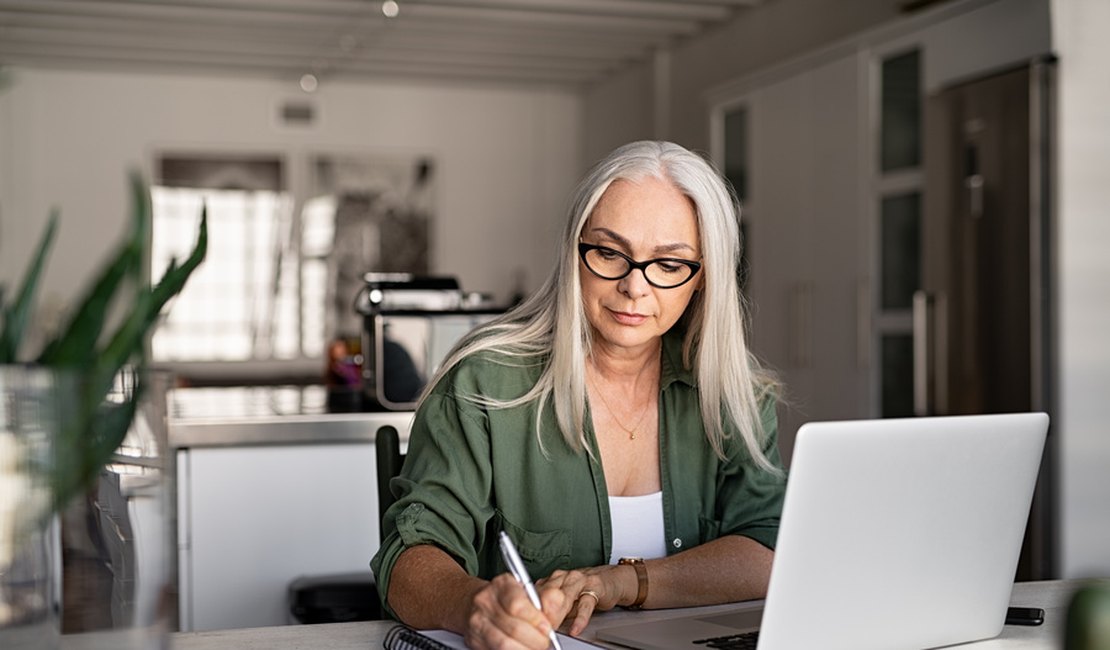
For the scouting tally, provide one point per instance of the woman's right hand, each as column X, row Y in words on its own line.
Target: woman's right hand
column 502, row 617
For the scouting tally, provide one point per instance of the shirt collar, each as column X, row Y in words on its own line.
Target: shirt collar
column 671, row 367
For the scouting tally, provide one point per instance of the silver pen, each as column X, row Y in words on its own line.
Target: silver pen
column 516, row 566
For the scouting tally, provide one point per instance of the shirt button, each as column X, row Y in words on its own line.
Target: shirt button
column 677, row 543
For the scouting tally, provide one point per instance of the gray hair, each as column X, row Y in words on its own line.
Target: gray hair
column 552, row 321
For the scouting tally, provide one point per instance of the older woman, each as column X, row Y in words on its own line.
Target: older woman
column 615, row 425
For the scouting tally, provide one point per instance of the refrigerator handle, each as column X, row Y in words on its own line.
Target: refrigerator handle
column 923, row 370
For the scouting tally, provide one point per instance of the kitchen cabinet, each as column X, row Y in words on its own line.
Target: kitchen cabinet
column 266, row 498
column 808, row 241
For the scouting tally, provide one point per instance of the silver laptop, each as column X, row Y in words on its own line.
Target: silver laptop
column 901, row 533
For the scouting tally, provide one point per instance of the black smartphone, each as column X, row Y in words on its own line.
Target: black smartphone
column 1024, row 616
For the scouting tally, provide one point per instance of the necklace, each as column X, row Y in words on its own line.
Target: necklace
column 613, row 414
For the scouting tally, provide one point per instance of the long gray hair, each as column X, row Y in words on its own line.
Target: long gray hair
column 552, row 324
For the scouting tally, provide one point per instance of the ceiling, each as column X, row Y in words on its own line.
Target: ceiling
column 563, row 42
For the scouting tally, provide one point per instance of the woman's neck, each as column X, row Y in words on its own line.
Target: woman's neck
column 625, row 367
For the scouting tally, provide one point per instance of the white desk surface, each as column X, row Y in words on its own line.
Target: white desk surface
column 1052, row 596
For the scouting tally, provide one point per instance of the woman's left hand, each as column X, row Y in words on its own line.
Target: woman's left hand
column 587, row 591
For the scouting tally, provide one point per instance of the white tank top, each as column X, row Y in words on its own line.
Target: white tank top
column 637, row 527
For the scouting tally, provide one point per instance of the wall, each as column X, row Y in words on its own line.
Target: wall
column 5, row 152
column 617, row 111
column 506, row 159
column 756, row 38
column 1080, row 28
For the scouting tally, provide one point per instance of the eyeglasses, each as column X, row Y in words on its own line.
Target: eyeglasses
column 663, row 272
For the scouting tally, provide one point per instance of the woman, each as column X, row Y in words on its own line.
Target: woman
column 615, row 414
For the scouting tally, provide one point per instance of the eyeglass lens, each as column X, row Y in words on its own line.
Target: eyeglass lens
column 661, row 273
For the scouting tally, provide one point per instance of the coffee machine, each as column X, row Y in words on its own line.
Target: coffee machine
column 410, row 324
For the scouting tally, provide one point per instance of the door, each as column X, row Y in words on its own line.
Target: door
column 980, row 320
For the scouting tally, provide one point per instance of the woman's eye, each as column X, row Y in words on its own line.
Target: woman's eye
column 608, row 254
column 669, row 267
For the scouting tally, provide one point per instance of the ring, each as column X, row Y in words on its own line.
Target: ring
column 590, row 592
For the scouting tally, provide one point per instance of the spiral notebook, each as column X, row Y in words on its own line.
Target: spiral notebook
column 401, row 637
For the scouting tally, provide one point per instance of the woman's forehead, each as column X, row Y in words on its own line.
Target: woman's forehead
column 647, row 209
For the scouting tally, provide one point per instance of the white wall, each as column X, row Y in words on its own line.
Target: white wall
column 1080, row 30
column 618, row 110
column 5, row 155
column 506, row 159
column 758, row 37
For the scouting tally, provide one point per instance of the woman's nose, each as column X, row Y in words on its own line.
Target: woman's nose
column 635, row 284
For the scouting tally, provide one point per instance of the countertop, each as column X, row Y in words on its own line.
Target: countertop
column 1053, row 596
column 271, row 415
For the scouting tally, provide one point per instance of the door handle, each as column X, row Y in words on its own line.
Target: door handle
column 974, row 184
column 973, row 178
column 923, row 371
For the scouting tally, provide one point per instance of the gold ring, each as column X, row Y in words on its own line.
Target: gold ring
column 592, row 593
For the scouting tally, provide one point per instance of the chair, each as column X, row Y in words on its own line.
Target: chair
column 387, row 444
column 343, row 597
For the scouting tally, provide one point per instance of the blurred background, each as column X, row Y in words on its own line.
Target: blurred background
column 923, row 183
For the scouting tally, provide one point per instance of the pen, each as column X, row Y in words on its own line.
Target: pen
column 516, row 566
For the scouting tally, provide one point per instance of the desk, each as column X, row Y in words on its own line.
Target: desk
column 1052, row 596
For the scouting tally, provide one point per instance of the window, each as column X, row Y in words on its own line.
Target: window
column 736, row 155
column 241, row 303
column 230, row 309
column 282, row 271
column 899, row 187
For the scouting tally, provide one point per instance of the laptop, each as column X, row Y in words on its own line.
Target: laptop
column 899, row 533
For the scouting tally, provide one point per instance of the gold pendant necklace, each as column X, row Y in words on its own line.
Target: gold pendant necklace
column 631, row 432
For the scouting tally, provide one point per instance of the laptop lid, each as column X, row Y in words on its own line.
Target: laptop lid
column 898, row 533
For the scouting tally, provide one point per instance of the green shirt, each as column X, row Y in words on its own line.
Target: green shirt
column 472, row 471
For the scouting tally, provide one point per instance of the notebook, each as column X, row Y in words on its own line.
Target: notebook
column 899, row 533
column 401, row 637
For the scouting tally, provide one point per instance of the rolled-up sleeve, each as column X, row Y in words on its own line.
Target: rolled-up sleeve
column 443, row 491
column 749, row 498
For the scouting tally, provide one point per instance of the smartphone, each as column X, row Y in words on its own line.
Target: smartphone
column 1024, row 616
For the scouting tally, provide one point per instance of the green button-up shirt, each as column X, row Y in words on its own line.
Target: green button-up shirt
column 472, row 471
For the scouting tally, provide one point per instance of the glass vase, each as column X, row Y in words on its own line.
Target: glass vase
column 95, row 557
column 29, row 541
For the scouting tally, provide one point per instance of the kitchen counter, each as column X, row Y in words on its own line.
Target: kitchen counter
column 271, row 486
column 281, row 415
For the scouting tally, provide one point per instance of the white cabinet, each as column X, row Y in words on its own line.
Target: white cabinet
column 807, row 238
column 270, row 487
column 251, row 519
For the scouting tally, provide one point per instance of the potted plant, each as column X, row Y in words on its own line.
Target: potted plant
column 58, row 427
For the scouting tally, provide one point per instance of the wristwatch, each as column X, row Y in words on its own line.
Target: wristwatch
column 637, row 563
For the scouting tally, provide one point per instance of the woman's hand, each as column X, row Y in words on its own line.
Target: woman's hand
column 586, row 591
column 501, row 616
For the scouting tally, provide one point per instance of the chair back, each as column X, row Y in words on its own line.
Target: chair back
column 387, row 444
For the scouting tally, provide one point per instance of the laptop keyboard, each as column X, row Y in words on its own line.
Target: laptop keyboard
column 745, row 641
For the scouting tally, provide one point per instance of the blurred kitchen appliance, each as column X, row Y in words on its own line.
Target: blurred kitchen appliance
column 410, row 323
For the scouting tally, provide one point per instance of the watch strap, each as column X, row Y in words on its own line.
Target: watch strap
column 637, row 563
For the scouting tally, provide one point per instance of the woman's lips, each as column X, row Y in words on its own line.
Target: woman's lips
column 626, row 318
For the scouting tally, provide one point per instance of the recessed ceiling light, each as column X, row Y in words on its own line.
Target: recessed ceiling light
column 390, row 8
column 309, row 82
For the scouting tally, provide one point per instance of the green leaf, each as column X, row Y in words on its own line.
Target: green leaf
column 87, row 442
column 128, row 339
column 173, row 281
column 141, row 213
column 92, row 429
column 15, row 317
column 77, row 344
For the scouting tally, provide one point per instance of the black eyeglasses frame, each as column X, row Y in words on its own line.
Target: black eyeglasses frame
column 584, row 248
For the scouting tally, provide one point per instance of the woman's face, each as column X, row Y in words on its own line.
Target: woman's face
column 645, row 219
